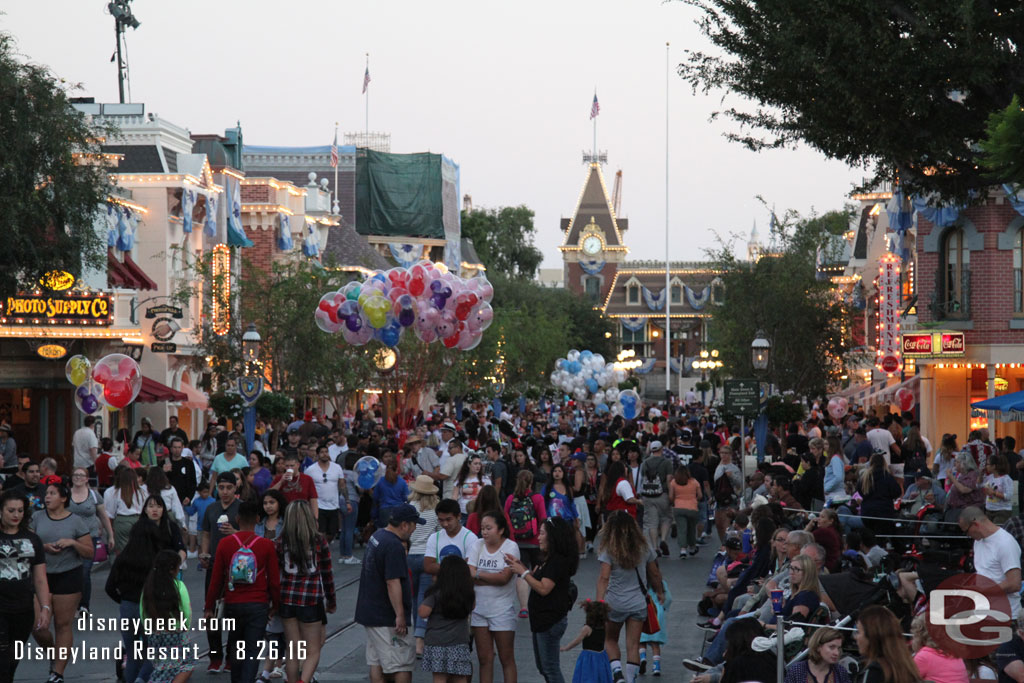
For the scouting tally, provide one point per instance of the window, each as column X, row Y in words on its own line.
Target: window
column 957, row 275
column 717, row 292
column 633, row 293
column 1018, row 273
column 592, row 287
column 635, row 340
column 677, row 294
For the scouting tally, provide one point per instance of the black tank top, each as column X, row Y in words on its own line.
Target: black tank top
column 595, row 641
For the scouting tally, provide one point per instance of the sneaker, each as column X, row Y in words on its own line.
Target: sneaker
column 83, row 609
column 523, row 614
column 696, row 664
column 709, row 626
column 703, row 540
column 664, row 549
column 278, row 672
column 55, row 678
column 192, row 554
column 618, row 677
column 656, row 668
column 352, row 560
column 226, row 668
column 682, row 554
column 643, row 665
column 214, row 667
column 694, row 549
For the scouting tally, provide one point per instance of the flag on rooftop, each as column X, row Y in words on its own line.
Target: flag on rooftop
column 366, row 80
column 334, row 150
column 595, row 108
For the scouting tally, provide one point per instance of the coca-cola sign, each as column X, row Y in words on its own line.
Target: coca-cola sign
column 917, row 344
column 944, row 344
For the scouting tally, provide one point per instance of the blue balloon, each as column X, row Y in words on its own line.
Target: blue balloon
column 602, row 409
column 574, row 367
column 560, row 364
column 390, row 334
column 366, row 480
column 586, row 355
column 591, row 385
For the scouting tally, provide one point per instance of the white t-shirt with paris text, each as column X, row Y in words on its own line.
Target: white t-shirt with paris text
column 493, row 601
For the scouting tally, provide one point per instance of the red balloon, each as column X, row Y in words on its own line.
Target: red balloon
column 417, row 280
column 453, row 341
column 905, row 399
column 118, row 392
column 127, row 368
column 101, row 374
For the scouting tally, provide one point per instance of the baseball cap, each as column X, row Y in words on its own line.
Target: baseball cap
column 655, row 446
column 733, row 544
column 406, row 513
column 293, row 430
column 226, row 478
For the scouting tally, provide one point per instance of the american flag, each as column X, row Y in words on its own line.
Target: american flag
column 366, row 80
column 595, row 108
column 334, row 151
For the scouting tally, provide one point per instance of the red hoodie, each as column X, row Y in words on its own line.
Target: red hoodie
column 268, row 575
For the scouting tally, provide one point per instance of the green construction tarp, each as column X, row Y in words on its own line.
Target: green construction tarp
column 399, row 195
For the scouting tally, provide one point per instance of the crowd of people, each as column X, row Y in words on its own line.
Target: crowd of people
column 477, row 523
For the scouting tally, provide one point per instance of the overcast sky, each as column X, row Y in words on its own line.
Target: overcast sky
column 504, row 89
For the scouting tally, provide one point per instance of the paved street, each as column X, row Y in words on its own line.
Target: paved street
column 344, row 660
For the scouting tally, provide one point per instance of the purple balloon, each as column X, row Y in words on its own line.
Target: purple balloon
column 90, row 405
column 83, row 391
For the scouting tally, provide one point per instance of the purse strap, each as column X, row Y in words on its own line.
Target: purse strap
column 639, row 581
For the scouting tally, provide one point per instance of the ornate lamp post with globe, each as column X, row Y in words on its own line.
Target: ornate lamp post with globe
column 250, row 384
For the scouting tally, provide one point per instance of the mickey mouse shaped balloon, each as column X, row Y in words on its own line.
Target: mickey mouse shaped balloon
column 368, row 472
column 120, row 377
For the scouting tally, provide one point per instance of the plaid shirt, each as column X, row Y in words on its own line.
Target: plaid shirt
column 306, row 590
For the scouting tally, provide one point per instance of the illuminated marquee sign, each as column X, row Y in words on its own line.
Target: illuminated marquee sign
column 221, row 294
column 888, row 349
column 67, row 309
column 934, row 345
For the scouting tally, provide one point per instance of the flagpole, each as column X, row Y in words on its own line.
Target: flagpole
column 367, row 131
column 593, row 150
column 668, row 288
column 337, row 201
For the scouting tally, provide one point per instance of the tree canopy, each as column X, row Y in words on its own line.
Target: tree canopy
column 904, row 87
column 780, row 295
column 51, row 185
column 503, row 239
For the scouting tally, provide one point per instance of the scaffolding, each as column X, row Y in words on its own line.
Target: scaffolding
column 378, row 142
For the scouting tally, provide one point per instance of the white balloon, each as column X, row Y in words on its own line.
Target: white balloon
column 599, row 397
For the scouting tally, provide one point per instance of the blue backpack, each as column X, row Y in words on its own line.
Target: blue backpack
column 242, row 569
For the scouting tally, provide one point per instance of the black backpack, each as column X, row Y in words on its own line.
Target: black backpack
column 725, row 494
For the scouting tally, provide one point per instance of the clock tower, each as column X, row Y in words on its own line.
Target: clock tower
column 592, row 245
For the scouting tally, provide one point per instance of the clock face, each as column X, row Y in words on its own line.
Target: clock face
column 592, row 245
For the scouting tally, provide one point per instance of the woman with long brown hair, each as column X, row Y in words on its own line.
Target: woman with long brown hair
column 486, row 501
column 879, row 490
column 123, row 502
column 622, row 553
column 886, row 658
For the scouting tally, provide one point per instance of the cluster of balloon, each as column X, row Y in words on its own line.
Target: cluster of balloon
column 585, row 375
column 837, row 407
column 905, row 399
column 437, row 304
column 114, row 382
column 368, row 472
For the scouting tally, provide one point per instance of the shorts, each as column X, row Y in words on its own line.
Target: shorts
column 329, row 523
column 388, row 650
column 307, row 614
column 454, row 660
column 657, row 513
column 66, row 583
column 193, row 524
column 506, row 621
column 620, row 616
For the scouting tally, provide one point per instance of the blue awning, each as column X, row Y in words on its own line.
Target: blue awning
column 1005, row 408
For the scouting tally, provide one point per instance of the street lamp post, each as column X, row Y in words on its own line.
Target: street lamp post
column 760, row 352
column 708, row 361
column 250, row 384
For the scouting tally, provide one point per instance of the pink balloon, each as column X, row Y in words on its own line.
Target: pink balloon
column 469, row 340
column 481, row 318
column 359, row 337
column 447, row 325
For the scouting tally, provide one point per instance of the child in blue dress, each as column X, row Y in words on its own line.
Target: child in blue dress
column 655, row 640
column 592, row 666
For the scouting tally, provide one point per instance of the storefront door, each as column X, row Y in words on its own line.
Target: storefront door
column 49, row 434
